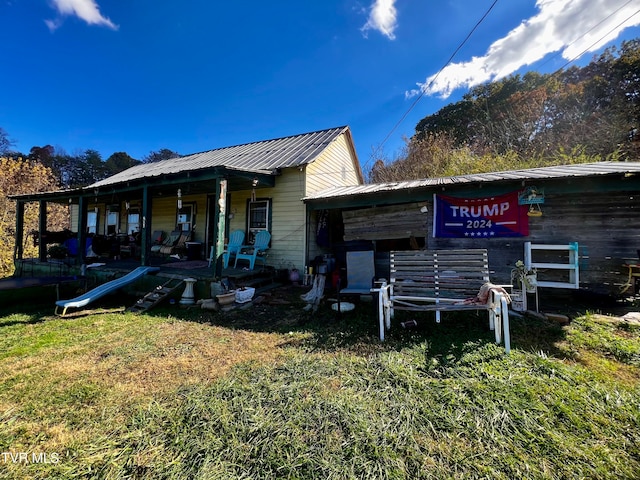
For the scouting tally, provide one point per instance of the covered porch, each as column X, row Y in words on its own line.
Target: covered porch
column 119, row 223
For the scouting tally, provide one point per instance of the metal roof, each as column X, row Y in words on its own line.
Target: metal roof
column 561, row 171
column 265, row 157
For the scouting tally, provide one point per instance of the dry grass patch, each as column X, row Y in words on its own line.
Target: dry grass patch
column 181, row 354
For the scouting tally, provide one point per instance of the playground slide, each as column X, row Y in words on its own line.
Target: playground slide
column 103, row 289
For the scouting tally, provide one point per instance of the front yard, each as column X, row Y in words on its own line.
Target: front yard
column 271, row 391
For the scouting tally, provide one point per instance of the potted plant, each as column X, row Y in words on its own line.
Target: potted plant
column 524, row 278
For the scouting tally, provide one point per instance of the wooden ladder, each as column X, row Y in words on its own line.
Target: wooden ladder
column 155, row 296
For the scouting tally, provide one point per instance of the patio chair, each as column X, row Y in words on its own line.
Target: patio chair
column 169, row 241
column 157, row 237
column 236, row 238
column 179, row 246
column 360, row 274
column 254, row 252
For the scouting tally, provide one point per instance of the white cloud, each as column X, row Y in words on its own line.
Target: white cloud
column 86, row 10
column 571, row 27
column 383, row 18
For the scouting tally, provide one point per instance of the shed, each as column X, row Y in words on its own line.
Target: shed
column 596, row 205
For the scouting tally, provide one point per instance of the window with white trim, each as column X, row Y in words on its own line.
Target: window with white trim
column 258, row 217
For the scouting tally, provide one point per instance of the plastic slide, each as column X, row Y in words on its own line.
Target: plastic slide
column 103, row 289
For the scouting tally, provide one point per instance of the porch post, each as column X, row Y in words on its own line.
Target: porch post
column 145, row 240
column 220, row 219
column 82, row 231
column 19, row 236
column 42, row 227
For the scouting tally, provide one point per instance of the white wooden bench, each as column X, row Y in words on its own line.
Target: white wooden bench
column 442, row 280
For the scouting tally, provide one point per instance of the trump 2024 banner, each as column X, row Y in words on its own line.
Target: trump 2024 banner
column 486, row 217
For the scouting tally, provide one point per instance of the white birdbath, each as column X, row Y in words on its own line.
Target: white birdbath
column 188, row 297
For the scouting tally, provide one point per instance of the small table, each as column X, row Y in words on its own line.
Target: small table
column 632, row 276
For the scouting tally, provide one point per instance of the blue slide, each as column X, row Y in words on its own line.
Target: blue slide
column 103, row 289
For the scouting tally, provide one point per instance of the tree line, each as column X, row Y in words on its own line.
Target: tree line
column 79, row 169
column 579, row 114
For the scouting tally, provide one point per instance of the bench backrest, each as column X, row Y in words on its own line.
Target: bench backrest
column 439, row 273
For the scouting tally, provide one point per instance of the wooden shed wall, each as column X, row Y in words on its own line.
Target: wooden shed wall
column 605, row 223
column 390, row 222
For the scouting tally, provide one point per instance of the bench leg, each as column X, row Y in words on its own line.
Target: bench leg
column 381, row 313
column 496, row 322
column 505, row 324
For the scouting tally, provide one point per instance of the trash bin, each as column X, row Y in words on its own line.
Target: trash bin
column 194, row 250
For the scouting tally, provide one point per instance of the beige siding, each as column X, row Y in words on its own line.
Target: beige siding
column 288, row 218
column 164, row 212
column 335, row 166
column 73, row 217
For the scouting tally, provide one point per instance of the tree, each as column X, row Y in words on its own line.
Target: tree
column 158, row 156
column 5, row 142
column 19, row 176
column 591, row 112
column 120, row 161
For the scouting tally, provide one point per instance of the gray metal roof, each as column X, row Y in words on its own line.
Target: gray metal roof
column 562, row 171
column 265, row 157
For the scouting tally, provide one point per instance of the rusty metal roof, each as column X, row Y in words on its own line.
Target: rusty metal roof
column 561, row 171
column 265, row 157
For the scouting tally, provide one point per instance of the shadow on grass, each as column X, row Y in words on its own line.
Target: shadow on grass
column 282, row 311
column 23, row 314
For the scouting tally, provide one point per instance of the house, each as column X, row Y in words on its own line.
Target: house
column 596, row 205
column 251, row 187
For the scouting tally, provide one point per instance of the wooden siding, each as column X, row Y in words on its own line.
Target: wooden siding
column 74, row 212
column 606, row 226
column 335, row 166
column 287, row 222
column 164, row 212
column 391, row 222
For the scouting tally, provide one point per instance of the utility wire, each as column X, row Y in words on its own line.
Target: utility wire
column 597, row 41
column 425, row 88
column 589, row 31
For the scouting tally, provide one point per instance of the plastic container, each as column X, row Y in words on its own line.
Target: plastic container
column 245, row 294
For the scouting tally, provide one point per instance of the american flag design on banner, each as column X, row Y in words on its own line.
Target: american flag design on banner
column 486, row 217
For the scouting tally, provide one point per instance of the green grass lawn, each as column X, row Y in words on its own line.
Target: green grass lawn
column 274, row 392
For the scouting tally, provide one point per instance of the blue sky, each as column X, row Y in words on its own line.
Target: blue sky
column 141, row 75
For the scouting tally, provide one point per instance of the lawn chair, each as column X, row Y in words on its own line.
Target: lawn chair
column 254, row 252
column 157, row 238
column 168, row 242
column 361, row 273
column 173, row 244
column 236, row 238
column 179, row 247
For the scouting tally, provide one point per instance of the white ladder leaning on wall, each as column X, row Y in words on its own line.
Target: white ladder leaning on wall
column 571, row 266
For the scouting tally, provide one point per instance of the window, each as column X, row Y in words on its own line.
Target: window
column 186, row 217
column 258, row 217
column 133, row 221
column 92, row 222
column 112, row 222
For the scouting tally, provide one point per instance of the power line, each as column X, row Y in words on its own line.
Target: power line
column 598, row 41
column 425, row 88
column 589, row 31
column 589, row 48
